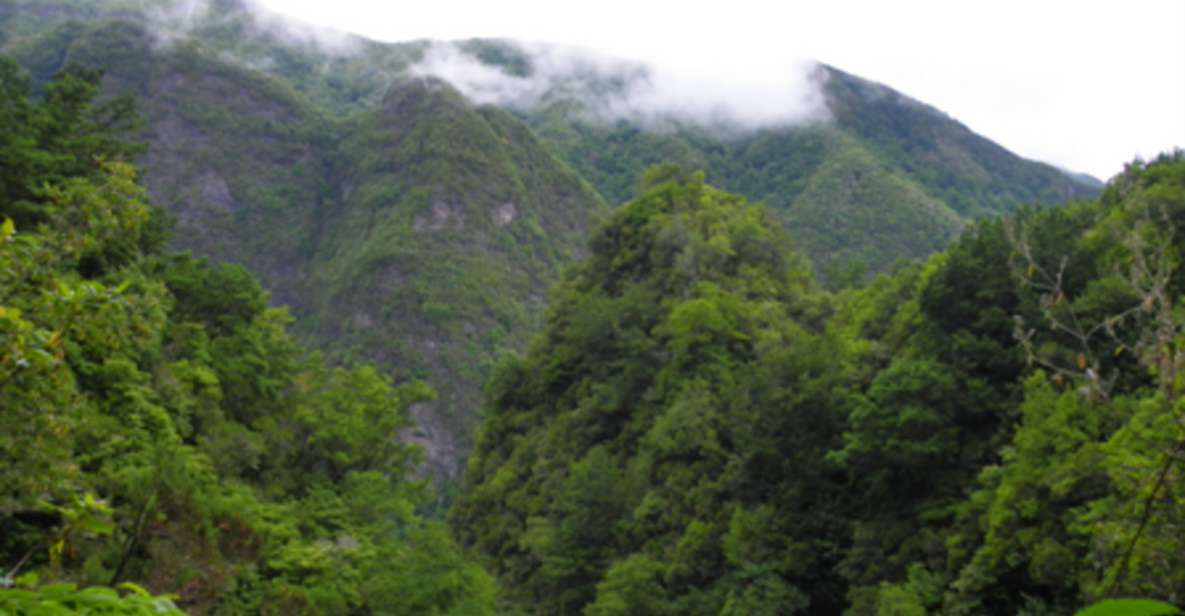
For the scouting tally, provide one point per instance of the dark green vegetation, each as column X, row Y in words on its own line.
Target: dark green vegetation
column 406, row 226
column 158, row 424
column 700, row 429
column 884, row 178
column 1130, row 607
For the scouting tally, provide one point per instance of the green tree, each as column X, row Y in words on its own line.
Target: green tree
column 678, row 369
column 158, row 424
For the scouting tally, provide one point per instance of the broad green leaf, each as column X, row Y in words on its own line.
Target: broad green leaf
column 58, row 589
column 135, row 589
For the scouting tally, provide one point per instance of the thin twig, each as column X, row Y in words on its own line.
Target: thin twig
column 1146, row 516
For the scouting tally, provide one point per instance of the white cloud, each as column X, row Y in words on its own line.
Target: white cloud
column 1086, row 84
column 174, row 19
column 647, row 93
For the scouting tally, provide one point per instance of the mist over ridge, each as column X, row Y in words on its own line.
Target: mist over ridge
column 488, row 183
column 529, row 75
column 767, row 92
column 548, row 330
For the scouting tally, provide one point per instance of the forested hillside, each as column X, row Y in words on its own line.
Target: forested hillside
column 701, row 430
column 411, row 227
column 881, row 177
column 869, row 364
column 414, row 230
column 160, row 428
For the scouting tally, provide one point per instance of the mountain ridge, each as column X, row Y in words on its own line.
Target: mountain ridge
column 407, row 224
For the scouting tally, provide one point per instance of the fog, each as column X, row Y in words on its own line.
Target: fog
column 772, row 91
column 1085, row 85
column 609, row 89
column 175, row 19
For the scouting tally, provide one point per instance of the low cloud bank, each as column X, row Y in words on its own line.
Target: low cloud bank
column 528, row 76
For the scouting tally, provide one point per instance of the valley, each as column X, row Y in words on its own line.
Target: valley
column 293, row 321
column 406, row 225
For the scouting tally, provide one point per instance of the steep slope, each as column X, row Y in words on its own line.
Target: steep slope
column 451, row 224
column 836, row 196
column 230, row 150
column 922, row 175
column 931, row 157
column 854, row 212
column 421, row 233
column 408, row 225
column 158, row 424
column 658, row 448
column 972, row 175
column 338, row 72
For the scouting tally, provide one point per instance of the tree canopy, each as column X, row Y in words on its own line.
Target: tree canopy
column 160, row 431
column 699, row 429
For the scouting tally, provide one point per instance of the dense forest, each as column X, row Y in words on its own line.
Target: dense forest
column 159, row 427
column 701, row 429
column 700, row 426
column 422, row 230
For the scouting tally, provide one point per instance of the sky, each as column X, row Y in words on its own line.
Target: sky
column 1084, row 85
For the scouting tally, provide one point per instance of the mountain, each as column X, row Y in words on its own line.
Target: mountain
column 449, row 225
column 407, row 224
column 881, row 178
column 421, row 231
column 159, row 426
column 701, row 429
column 681, row 388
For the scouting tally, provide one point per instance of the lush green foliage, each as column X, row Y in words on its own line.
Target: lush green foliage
column 639, row 455
column 701, row 430
column 886, row 178
column 420, row 232
column 159, row 424
column 1129, row 607
column 68, row 599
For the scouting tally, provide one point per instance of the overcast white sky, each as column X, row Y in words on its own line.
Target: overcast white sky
column 1086, row 85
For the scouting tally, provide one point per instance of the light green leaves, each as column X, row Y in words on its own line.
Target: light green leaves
column 1129, row 607
column 70, row 600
